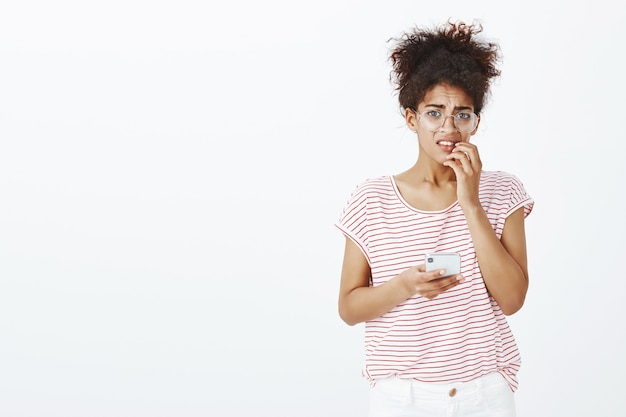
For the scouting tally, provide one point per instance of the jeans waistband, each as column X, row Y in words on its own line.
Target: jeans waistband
column 438, row 391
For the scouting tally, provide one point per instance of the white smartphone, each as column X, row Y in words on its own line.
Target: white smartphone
column 450, row 261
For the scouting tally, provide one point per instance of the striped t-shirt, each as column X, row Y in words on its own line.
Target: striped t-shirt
column 461, row 334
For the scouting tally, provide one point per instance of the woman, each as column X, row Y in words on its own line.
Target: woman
column 438, row 344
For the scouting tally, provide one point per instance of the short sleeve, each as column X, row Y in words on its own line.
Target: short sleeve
column 520, row 197
column 352, row 221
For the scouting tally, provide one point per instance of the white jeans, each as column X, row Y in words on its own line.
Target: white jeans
column 489, row 396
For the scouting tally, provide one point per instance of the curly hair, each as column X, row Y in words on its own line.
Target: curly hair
column 449, row 54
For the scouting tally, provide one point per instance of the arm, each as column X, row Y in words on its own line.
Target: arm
column 359, row 302
column 503, row 262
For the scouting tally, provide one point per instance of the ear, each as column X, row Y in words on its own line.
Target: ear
column 411, row 119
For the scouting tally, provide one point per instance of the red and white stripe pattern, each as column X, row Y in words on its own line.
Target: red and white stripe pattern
column 460, row 335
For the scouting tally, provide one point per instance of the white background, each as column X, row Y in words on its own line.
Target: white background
column 170, row 173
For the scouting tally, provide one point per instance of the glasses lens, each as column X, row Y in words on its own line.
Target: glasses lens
column 431, row 120
column 465, row 122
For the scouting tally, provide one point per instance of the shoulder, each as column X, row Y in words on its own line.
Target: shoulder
column 504, row 190
column 366, row 197
column 374, row 186
column 499, row 179
column 495, row 175
column 369, row 193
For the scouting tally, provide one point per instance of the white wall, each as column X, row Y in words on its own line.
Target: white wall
column 170, row 173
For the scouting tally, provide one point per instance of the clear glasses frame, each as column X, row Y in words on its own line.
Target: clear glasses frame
column 432, row 120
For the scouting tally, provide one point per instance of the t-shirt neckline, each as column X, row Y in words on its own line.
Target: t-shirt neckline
column 410, row 207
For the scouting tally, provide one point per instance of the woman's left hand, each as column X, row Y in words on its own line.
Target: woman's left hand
column 465, row 161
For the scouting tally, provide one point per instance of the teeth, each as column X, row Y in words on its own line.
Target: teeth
column 446, row 143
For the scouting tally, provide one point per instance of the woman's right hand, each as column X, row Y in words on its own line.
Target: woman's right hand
column 428, row 284
column 359, row 301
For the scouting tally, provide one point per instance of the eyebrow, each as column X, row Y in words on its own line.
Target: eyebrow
column 457, row 108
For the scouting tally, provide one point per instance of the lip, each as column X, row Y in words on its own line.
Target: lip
column 447, row 145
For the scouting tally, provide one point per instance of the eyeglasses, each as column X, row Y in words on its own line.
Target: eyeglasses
column 432, row 120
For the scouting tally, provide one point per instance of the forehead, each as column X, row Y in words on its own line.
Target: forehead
column 447, row 96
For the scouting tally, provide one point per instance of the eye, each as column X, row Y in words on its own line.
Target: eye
column 433, row 113
column 463, row 116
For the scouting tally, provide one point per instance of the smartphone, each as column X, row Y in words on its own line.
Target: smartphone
column 450, row 261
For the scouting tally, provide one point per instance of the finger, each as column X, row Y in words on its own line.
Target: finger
column 431, row 290
column 443, row 284
column 461, row 154
column 470, row 150
column 468, row 161
column 434, row 276
column 466, row 147
column 461, row 160
column 426, row 276
column 451, row 280
column 443, row 288
column 454, row 163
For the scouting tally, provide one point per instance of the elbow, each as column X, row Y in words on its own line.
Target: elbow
column 512, row 306
column 350, row 322
column 346, row 316
column 512, row 300
column 510, row 310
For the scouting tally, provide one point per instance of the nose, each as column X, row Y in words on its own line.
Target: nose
column 448, row 125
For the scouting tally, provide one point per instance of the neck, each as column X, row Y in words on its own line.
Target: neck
column 431, row 172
